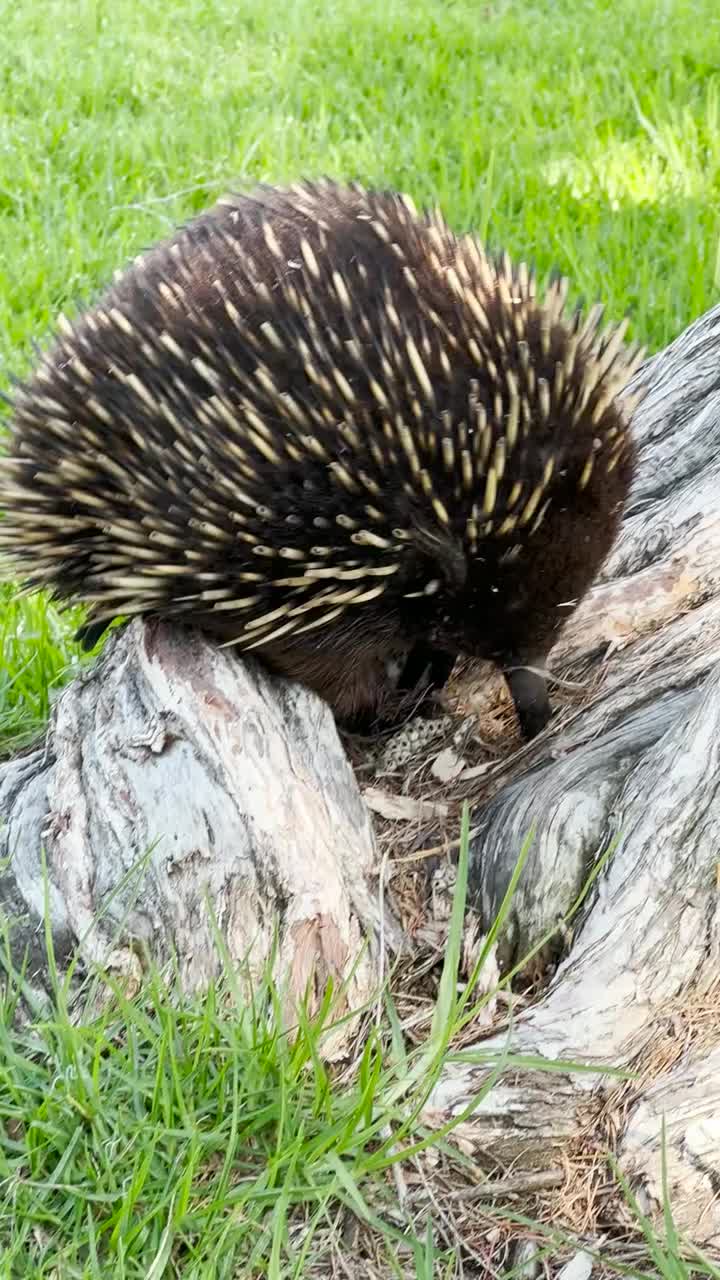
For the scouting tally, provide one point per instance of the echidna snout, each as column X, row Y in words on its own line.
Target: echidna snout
column 326, row 430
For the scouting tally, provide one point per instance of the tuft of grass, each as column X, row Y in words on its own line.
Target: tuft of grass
column 185, row 1135
column 178, row 1135
column 37, row 656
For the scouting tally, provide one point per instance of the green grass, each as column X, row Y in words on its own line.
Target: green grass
column 180, row 1137
column 584, row 135
column 175, row 1135
column 198, row 1137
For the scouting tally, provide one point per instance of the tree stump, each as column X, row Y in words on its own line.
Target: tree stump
column 181, row 791
column 635, row 766
column 178, row 785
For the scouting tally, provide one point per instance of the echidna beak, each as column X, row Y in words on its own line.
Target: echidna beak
column 529, row 693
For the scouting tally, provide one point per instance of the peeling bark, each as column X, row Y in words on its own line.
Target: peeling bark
column 177, row 783
column 635, row 767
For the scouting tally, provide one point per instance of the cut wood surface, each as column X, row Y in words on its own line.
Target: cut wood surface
column 180, row 789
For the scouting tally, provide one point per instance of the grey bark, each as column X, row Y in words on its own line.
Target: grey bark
column 634, row 770
column 180, row 791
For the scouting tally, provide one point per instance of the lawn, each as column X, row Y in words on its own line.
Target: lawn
column 583, row 135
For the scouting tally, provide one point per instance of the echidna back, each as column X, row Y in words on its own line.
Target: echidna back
column 319, row 425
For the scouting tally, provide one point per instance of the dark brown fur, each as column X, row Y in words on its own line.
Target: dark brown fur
column 171, row 455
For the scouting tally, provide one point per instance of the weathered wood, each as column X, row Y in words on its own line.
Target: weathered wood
column 176, row 784
column 636, row 765
column 642, row 642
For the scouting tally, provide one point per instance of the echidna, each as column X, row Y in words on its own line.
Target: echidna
column 322, row 427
